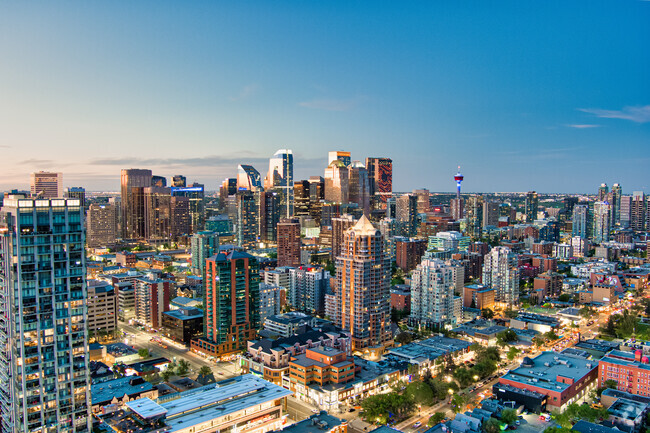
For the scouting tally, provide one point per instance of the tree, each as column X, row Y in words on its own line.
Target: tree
column 458, row 403
column 551, row 335
column 464, row 376
column 538, row 341
column 144, row 353
column 183, row 367
column 564, row 297
column 166, row 375
column 587, row 312
column 505, row 337
column 436, row 419
column 420, row 393
column 557, row 429
column 510, row 313
column 512, row 353
column 205, row 371
column 487, row 313
column 509, row 416
column 382, row 407
column 492, row 425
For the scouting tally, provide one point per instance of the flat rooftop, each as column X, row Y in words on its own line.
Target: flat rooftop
column 624, row 358
column 431, row 348
column 106, row 391
column 627, row 409
column 547, row 366
column 314, row 424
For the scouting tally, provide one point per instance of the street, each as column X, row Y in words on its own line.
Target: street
column 175, row 352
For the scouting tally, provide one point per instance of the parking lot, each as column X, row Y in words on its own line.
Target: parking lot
column 532, row 424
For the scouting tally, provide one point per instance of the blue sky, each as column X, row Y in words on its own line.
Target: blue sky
column 551, row 95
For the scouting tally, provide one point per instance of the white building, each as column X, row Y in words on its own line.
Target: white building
column 270, row 300
column 453, row 241
column 500, row 272
column 433, row 284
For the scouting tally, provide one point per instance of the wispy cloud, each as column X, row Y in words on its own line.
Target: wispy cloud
column 246, row 92
column 333, row 104
column 4, row 146
column 210, row 160
column 640, row 114
column 583, row 126
column 35, row 161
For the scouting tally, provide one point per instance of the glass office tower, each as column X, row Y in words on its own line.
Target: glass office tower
column 44, row 380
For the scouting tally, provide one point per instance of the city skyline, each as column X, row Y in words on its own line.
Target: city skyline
column 555, row 98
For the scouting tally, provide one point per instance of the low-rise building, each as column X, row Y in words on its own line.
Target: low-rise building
column 243, row 403
column 630, row 370
column 183, row 324
column 561, row 378
column 424, row 353
column 120, row 353
column 270, row 358
column 116, row 392
column 535, row 322
column 287, row 324
column 318, row 423
column 478, row 296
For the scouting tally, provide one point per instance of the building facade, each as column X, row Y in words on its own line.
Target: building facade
column 433, row 283
column 500, row 272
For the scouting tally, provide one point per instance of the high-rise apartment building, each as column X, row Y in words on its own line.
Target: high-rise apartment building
column 133, row 182
column 78, row 193
column 456, row 208
column 316, row 197
column 603, row 191
column 232, row 301
column 625, row 211
column 615, row 200
column 433, row 302
column 602, row 221
column 474, row 216
column 308, row 286
column 491, row 214
column 500, row 272
column 247, row 219
column 289, row 242
column 280, row 178
column 638, row 211
column 152, row 297
column 423, row 197
column 270, row 210
column 44, row 373
column 102, row 225
column 181, row 220
column 204, row 244
column 363, row 286
column 380, row 175
column 301, row 198
column 581, row 221
column 407, row 214
column 102, row 307
column 531, row 206
column 338, row 155
column 46, row 185
column 339, row 226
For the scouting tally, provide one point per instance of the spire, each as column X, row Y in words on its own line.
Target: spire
column 363, row 227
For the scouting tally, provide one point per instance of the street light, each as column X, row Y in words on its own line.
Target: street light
column 448, row 378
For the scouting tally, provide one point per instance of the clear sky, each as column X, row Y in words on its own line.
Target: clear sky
column 545, row 95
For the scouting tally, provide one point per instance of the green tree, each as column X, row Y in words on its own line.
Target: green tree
column 144, row 353
column 551, row 335
column 436, row 419
column 205, row 371
column 183, row 367
column 458, row 403
column 420, row 393
column 557, row 429
column 404, row 338
column 505, row 337
column 510, row 313
column 166, row 375
column 564, row 297
column 487, row 313
column 492, row 425
column 512, row 353
column 509, row 416
column 587, row 312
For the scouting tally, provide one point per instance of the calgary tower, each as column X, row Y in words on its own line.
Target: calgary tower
column 458, row 178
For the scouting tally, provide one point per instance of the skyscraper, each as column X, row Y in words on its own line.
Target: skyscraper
column 407, row 214
column 248, row 178
column 474, row 216
column 532, row 205
column 133, row 183
column 269, row 215
column 423, row 196
column 204, row 244
column 247, row 219
column 44, row 373
column 602, row 220
column 363, row 283
column 359, row 190
column 232, row 300
column 158, row 181
column 336, row 182
column 433, row 283
column 581, row 222
column 301, row 198
column 615, row 201
column 338, row 155
column 179, row 181
column 490, row 213
column 638, row 211
column 157, row 213
column 500, row 272
column 289, row 242
column 102, row 225
column 603, row 190
column 307, row 288
column 76, row 192
column 280, row 177
column 625, row 211
column 47, row 185
column 196, row 195
column 380, row 175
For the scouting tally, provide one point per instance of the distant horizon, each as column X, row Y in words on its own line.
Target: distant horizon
column 547, row 96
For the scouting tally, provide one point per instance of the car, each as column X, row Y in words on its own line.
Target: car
column 517, row 422
column 417, row 424
column 351, row 409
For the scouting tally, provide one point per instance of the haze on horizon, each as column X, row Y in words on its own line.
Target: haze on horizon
column 546, row 96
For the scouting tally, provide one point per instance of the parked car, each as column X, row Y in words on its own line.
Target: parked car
column 417, row 424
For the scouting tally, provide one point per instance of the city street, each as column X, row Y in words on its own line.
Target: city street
column 175, row 352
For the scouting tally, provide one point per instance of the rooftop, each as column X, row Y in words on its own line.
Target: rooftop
column 314, row 424
column 589, row 427
column 430, row 348
column 146, row 408
column 627, row 409
column 185, row 313
column 363, row 227
column 547, row 367
column 106, row 391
